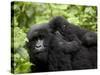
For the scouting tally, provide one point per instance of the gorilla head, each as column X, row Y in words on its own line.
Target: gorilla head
column 38, row 46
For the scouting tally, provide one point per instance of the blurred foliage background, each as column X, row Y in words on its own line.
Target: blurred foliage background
column 25, row 14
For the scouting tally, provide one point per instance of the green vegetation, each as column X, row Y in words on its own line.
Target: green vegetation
column 25, row 14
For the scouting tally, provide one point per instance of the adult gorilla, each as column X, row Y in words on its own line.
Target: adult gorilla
column 46, row 48
column 59, row 45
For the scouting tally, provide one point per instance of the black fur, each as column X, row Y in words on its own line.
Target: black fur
column 65, row 47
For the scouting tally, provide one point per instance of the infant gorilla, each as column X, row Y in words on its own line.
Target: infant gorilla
column 86, row 57
column 59, row 45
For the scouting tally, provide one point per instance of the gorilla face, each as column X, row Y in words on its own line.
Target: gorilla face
column 40, row 51
column 38, row 48
column 58, row 23
column 38, row 45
